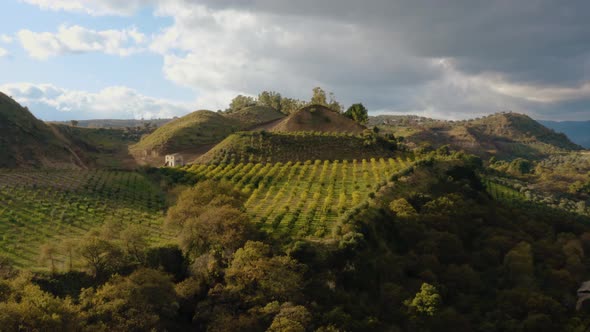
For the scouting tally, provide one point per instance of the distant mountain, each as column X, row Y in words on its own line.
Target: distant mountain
column 577, row 131
column 28, row 142
column 504, row 135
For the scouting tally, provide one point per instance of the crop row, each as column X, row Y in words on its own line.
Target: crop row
column 302, row 198
column 38, row 207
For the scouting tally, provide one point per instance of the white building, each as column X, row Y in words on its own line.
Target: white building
column 173, row 160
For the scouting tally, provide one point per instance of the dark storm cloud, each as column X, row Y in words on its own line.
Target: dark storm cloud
column 544, row 42
column 447, row 58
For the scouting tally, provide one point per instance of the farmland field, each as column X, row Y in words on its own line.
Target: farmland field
column 302, row 199
column 44, row 207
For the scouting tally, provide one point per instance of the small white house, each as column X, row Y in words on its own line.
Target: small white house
column 173, row 160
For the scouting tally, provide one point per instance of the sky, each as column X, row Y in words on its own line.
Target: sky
column 88, row 59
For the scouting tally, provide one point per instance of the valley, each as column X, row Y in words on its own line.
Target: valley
column 397, row 202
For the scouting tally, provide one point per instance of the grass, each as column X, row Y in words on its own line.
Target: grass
column 28, row 142
column 197, row 128
column 202, row 128
column 302, row 199
column 45, row 207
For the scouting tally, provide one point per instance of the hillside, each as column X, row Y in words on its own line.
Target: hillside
column 187, row 133
column 504, row 135
column 302, row 146
column 320, row 119
column 28, row 142
column 254, row 116
column 116, row 123
column 577, row 131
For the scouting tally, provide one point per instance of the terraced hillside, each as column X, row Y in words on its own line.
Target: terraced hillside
column 303, row 199
column 283, row 147
column 46, row 207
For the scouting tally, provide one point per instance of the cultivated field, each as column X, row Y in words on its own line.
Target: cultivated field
column 47, row 207
column 303, row 199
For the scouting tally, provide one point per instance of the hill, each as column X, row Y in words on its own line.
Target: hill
column 318, row 118
column 187, row 133
column 503, row 135
column 28, row 142
column 260, row 146
column 577, row 131
column 254, row 116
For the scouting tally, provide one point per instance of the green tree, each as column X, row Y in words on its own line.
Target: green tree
column 358, row 113
column 291, row 318
column 218, row 227
column 194, row 201
column 25, row 307
column 240, row 102
column 518, row 265
column 290, row 105
column 426, row 302
column 135, row 243
column 402, row 208
column 319, row 97
column 145, row 300
column 270, row 99
column 100, row 256
column 260, row 277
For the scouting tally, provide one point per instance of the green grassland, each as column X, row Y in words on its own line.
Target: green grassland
column 28, row 142
column 303, row 199
column 46, row 207
column 203, row 128
column 197, row 128
column 263, row 146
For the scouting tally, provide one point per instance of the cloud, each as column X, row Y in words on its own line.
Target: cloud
column 117, row 102
column 464, row 58
column 6, row 39
column 93, row 7
column 77, row 39
column 3, row 52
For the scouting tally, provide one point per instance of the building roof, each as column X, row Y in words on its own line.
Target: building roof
column 174, row 155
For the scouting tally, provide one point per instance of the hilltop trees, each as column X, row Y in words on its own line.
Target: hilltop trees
column 319, row 97
column 285, row 105
column 358, row 113
column 270, row 99
column 240, row 102
column 291, row 105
